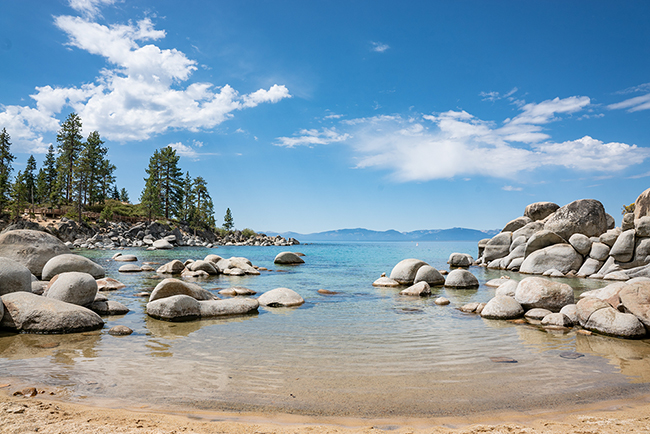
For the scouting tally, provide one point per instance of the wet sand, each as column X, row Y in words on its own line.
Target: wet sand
column 47, row 414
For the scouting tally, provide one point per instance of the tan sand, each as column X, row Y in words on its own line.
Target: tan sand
column 45, row 414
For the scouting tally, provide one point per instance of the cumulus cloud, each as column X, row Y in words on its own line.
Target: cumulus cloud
column 312, row 137
column 456, row 143
column 89, row 8
column 379, row 47
column 142, row 93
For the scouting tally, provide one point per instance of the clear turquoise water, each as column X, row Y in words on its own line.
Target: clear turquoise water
column 364, row 352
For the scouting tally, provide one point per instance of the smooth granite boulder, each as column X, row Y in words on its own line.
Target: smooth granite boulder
column 507, row 289
column 535, row 292
column 642, row 226
column 623, row 248
column 561, row 257
column 570, row 312
column 641, row 205
column 108, row 307
column 73, row 287
column 537, row 313
column 460, row 260
column 172, row 267
column 420, row 289
column 171, row 287
column 528, row 230
column 237, row 291
column 206, row 266
column 213, row 258
column 584, row 216
column 130, row 268
column 610, row 321
column 175, row 308
column 628, row 222
column 495, row 283
column 31, row 248
column 14, row 276
column 162, row 244
column 461, row 279
column 642, row 251
column 581, row 243
column 228, row 307
column 542, row 239
column 515, row 264
column 586, row 306
column 406, row 270
column 31, row 313
column 556, row 320
column 599, row 251
column 386, row 282
column 517, row 223
column 589, row 267
column 636, row 299
column 610, row 237
column 502, row 307
column 516, row 253
column 498, row 246
column 430, row 275
column 540, row 210
column 71, row 262
column 280, row 297
column 288, row 258
column 125, row 258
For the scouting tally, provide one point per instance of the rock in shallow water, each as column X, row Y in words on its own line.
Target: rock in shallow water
column 280, row 297
column 461, row 279
column 73, row 287
column 288, row 258
column 502, row 307
column 386, row 282
column 535, row 292
column 14, row 276
column 71, row 262
column 406, row 270
column 31, row 248
column 172, row 287
column 420, row 289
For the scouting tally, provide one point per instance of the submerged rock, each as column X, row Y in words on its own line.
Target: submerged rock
column 386, row 282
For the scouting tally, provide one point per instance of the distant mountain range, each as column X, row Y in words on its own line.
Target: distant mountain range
column 360, row 234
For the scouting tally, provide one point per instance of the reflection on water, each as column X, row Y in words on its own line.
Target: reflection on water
column 365, row 351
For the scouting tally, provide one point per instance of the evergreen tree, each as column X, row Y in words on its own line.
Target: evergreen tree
column 42, row 189
column 50, row 191
column 171, row 182
column 150, row 196
column 29, row 179
column 106, row 179
column 115, row 193
column 5, row 169
column 187, row 208
column 124, row 195
column 203, row 214
column 228, row 222
column 18, row 194
column 70, row 146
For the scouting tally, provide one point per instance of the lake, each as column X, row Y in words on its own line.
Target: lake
column 364, row 352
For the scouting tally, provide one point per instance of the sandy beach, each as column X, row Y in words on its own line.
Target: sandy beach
column 45, row 413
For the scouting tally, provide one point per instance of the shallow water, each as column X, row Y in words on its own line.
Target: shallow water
column 364, row 352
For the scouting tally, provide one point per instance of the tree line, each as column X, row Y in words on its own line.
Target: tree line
column 78, row 174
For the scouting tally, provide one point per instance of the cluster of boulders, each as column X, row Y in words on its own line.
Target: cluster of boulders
column 46, row 289
column 620, row 309
column 153, row 235
column 577, row 240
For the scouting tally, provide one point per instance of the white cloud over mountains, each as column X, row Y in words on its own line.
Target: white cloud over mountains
column 455, row 143
column 141, row 93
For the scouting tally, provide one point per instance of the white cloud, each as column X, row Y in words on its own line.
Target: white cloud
column 511, row 188
column 455, row 143
column 89, row 8
column 379, row 47
column 633, row 104
column 141, row 94
column 312, row 137
column 188, row 151
column 495, row 96
column 333, row 116
column 645, row 87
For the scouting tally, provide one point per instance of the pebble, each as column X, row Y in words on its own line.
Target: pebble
column 120, row 330
column 441, row 301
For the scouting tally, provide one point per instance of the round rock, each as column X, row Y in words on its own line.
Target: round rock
column 406, row 270
column 73, row 287
column 430, row 275
column 280, row 297
column 14, row 276
column 172, row 287
column 175, row 308
column 31, row 248
column 461, row 279
column 420, row 289
column 501, row 307
column 288, row 258
column 535, row 292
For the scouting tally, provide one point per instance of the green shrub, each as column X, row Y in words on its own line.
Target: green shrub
column 248, row 233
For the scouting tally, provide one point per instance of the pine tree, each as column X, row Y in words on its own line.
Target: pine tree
column 171, row 182
column 106, row 179
column 228, row 222
column 51, row 191
column 187, row 207
column 150, row 196
column 70, row 146
column 115, row 193
column 5, row 169
column 42, row 189
column 203, row 209
column 18, row 193
column 29, row 179
column 124, row 195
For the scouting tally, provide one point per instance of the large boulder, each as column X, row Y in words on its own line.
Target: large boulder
column 172, row 267
column 561, row 257
column 420, row 289
column 460, row 260
column 584, row 216
column 610, row 321
column 162, row 244
column 231, row 306
column 73, row 287
column 498, row 246
column 528, row 230
column 206, row 266
column 590, row 266
column 461, row 279
column 581, row 243
column 71, row 262
column 507, row 289
column 535, row 292
column 31, row 313
column 610, row 237
column 599, row 251
column 430, row 275
column 386, row 282
column 14, row 276
column 515, row 224
column 642, row 205
column 170, row 287
column 540, row 210
column 642, row 226
column 541, row 239
column 636, row 299
column 502, row 307
column 587, row 306
column 406, row 270
column 623, row 248
column 280, row 297
column 108, row 307
column 31, row 248
column 288, row 258
column 175, row 308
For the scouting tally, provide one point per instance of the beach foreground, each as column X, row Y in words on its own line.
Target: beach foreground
column 44, row 415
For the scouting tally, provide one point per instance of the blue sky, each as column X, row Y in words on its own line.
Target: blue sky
column 310, row 116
